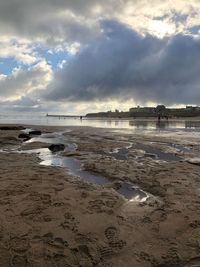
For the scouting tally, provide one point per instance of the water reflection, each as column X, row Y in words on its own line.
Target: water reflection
column 74, row 168
column 162, row 124
column 100, row 122
column 192, row 124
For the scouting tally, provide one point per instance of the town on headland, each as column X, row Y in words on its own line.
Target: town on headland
column 159, row 111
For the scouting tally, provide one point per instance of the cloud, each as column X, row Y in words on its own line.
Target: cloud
column 24, row 103
column 22, row 53
column 57, row 22
column 25, row 81
column 64, row 22
column 72, row 24
column 125, row 49
column 122, row 64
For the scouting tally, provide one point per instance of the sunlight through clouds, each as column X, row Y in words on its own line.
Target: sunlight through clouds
column 160, row 29
column 64, row 49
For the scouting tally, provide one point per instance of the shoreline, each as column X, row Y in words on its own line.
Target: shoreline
column 51, row 217
column 110, row 123
column 196, row 118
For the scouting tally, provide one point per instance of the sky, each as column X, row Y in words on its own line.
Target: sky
column 80, row 56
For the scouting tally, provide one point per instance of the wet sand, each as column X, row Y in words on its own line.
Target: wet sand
column 52, row 218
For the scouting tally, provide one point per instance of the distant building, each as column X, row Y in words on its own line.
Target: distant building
column 160, row 110
column 191, row 108
column 142, row 109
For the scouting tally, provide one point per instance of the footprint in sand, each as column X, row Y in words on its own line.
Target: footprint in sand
column 61, row 261
column 96, row 206
column 104, row 264
column 171, row 259
column 19, row 248
column 111, row 203
column 112, row 235
column 57, row 242
column 70, row 222
column 58, row 186
column 31, row 212
column 105, row 252
column 4, row 256
column 193, row 262
column 84, row 256
column 19, row 245
column 45, row 198
column 195, row 224
column 84, row 194
column 100, row 206
column 58, row 204
column 147, row 257
column 93, row 251
column 19, row 261
column 57, row 252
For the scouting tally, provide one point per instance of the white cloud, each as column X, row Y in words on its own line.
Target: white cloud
column 161, row 29
column 73, row 48
column 22, row 82
column 2, row 77
column 21, row 52
column 62, row 64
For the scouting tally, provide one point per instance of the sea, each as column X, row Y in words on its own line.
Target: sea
column 128, row 125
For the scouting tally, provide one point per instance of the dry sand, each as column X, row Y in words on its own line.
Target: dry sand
column 50, row 218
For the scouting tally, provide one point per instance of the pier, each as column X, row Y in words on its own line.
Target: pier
column 65, row 116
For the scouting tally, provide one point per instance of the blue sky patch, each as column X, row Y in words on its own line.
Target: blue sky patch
column 7, row 65
column 53, row 58
column 194, row 29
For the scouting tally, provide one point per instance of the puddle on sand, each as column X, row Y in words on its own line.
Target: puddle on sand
column 126, row 189
column 48, row 140
column 184, row 149
column 157, row 152
column 122, row 153
column 73, row 165
column 27, row 130
column 119, row 154
column 53, row 138
column 74, row 168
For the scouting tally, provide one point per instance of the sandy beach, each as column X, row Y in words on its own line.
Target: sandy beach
column 53, row 217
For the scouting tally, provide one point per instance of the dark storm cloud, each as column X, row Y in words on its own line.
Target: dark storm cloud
column 52, row 22
column 121, row 64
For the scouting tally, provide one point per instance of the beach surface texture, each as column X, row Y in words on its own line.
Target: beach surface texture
column 98, row 198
